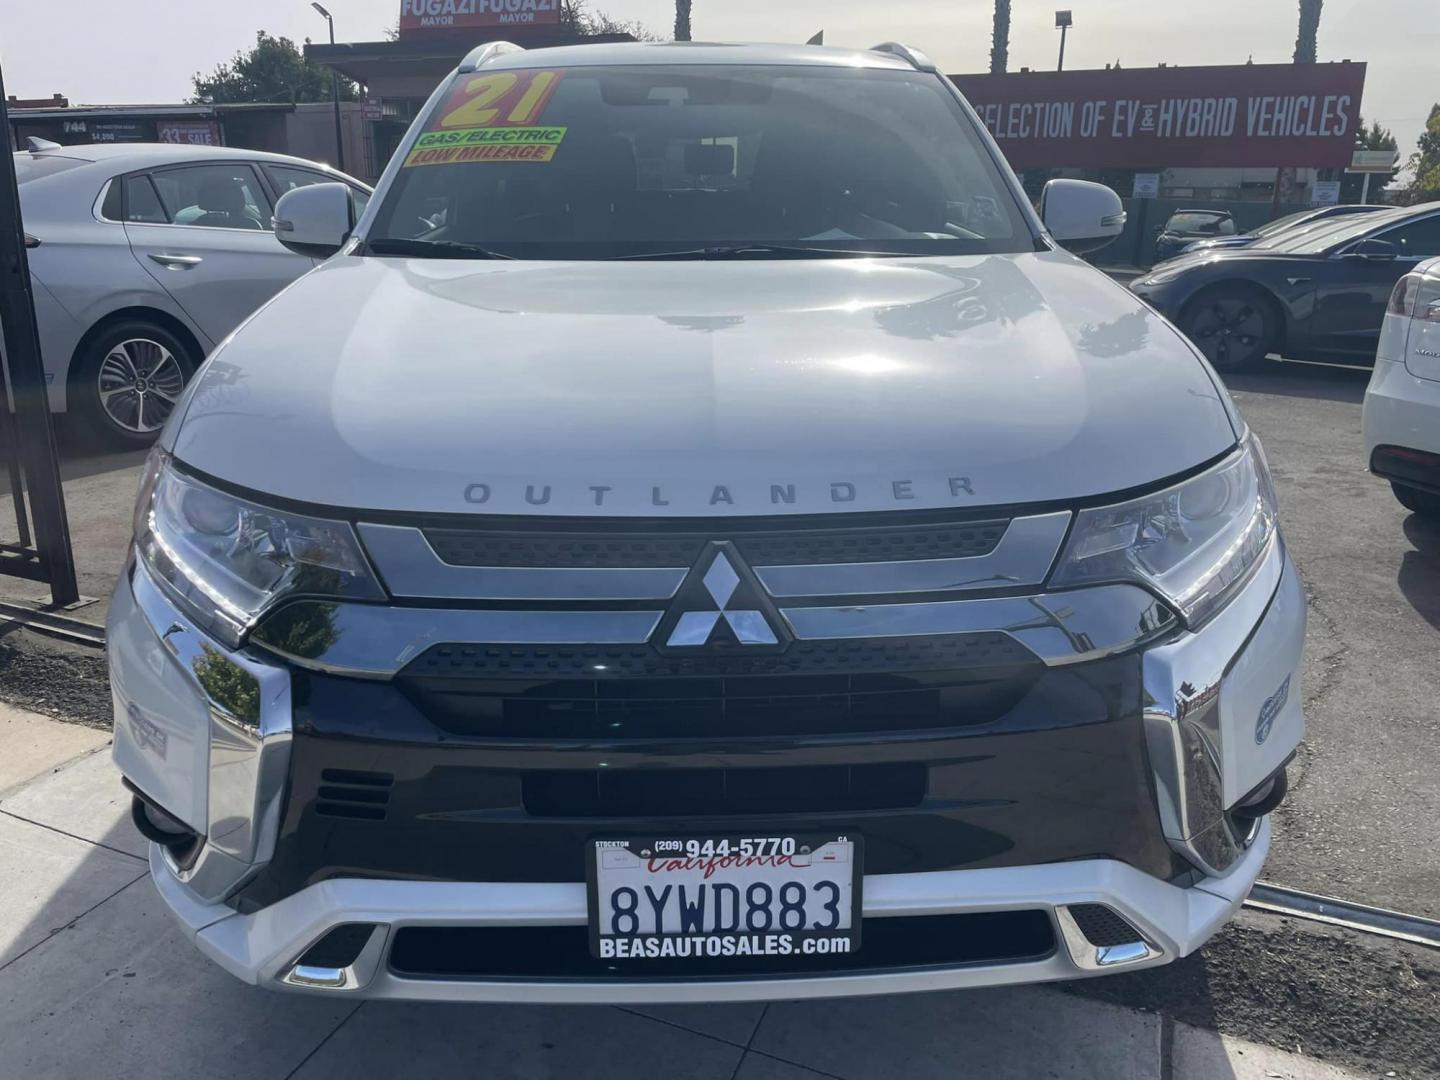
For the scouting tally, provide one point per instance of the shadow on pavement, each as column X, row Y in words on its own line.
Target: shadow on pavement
column 1419, row 577
column 1298, row 378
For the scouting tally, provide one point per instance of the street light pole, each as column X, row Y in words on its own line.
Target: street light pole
column 1063, row 21
column 334, row 93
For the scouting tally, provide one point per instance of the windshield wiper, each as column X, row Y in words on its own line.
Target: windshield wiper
column 760, row 251
column 431, row 249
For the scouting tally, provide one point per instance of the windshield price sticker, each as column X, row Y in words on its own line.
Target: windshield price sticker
column 723, row 898
column 492, row 117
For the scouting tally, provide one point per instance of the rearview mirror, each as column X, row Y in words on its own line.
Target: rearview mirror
column 1081, row 216
column 1373, row 248
column 314, row 220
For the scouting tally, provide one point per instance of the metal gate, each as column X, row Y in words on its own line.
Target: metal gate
column 40, row 549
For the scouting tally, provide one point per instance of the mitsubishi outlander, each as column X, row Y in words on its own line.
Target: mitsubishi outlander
column 700, row 535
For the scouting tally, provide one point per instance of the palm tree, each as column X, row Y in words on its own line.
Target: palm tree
column 1000, row 46
column 1309, row 27
column 682, row 20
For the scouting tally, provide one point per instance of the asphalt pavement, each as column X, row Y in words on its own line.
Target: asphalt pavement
column 1361, row 819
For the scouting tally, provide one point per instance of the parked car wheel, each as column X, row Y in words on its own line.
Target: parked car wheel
column 1232, row 326
column 128, row 381
column 1424, row 503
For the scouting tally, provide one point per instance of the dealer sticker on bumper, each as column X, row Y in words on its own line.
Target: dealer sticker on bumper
column 657, row 898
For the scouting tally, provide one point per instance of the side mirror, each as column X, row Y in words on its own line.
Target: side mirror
column 1373, row 248
column 1081, row 216
column 314, row 220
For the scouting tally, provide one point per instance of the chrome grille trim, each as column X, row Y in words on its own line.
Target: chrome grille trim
column 410, row 568
column 1023, row 556
column 1059, row 628
column 374, row 641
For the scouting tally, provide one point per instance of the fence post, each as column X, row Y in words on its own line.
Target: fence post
column 35, row 434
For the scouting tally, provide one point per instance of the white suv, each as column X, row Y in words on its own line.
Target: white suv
column 700, row 537
column 1402, row 404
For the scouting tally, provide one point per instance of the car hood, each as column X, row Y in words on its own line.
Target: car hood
column 699, row 388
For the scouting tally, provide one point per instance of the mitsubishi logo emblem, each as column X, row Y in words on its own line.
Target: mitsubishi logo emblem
column 720, row 603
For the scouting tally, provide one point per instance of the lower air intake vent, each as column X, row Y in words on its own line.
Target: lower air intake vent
column 350, row 794
column 340, row 947
column 1101, row 925
column 663, row 793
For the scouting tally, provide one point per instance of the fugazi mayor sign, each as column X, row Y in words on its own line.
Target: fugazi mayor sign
column 1235, row 116
column 448, row 14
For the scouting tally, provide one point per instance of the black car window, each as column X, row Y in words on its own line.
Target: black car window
column 1418, row 239
column 141, row 202
column 113, row 208
column 287, row 178
column 213, row 196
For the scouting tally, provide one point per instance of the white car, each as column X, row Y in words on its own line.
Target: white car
column 1402, row 404
column 142, row 258
column 700, row 536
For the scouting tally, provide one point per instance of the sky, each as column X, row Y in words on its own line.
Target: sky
column 134, row 51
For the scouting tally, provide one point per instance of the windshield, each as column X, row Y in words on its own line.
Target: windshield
column 1270, row 228
column 1194, row 221
column 607, row 162
column 1325, row 234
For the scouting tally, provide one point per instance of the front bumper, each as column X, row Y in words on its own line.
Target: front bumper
column 208, row 735
column 262, row 948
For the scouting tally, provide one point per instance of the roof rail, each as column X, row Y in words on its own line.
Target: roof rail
column 483, row 54
column 914, row 57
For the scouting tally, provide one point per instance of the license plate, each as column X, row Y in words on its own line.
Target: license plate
column 697, row 898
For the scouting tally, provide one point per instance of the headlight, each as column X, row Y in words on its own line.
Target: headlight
column 1193, row 543
column 1162, row 276
column 226, row 560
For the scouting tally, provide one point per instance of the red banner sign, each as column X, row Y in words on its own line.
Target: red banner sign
column 459, row 14
column 189, row 132
column 1137, row 118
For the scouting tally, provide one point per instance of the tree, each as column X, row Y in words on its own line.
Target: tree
column 1367, row 137
column 577, row 17
column 1425, row 162
column 274, row 70
column 1309, row 28
column 682, row 20
column 1000, row 40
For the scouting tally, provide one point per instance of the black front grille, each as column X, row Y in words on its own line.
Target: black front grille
column 668, row 793
column 614, row 663
column 895, row 544
column 346, row 793
column 1102, row 925
column 463, row 547
column 833, row 687
column 530, row 952
column 761, row 546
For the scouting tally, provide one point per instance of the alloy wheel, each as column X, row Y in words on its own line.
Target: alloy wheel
column 139, row 383
column 1229, row 330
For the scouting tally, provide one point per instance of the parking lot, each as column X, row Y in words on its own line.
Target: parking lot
column 99, row 997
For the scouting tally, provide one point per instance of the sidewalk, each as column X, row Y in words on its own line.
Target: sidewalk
column 97, row 981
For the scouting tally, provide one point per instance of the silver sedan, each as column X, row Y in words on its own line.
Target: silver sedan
column 143, row 257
